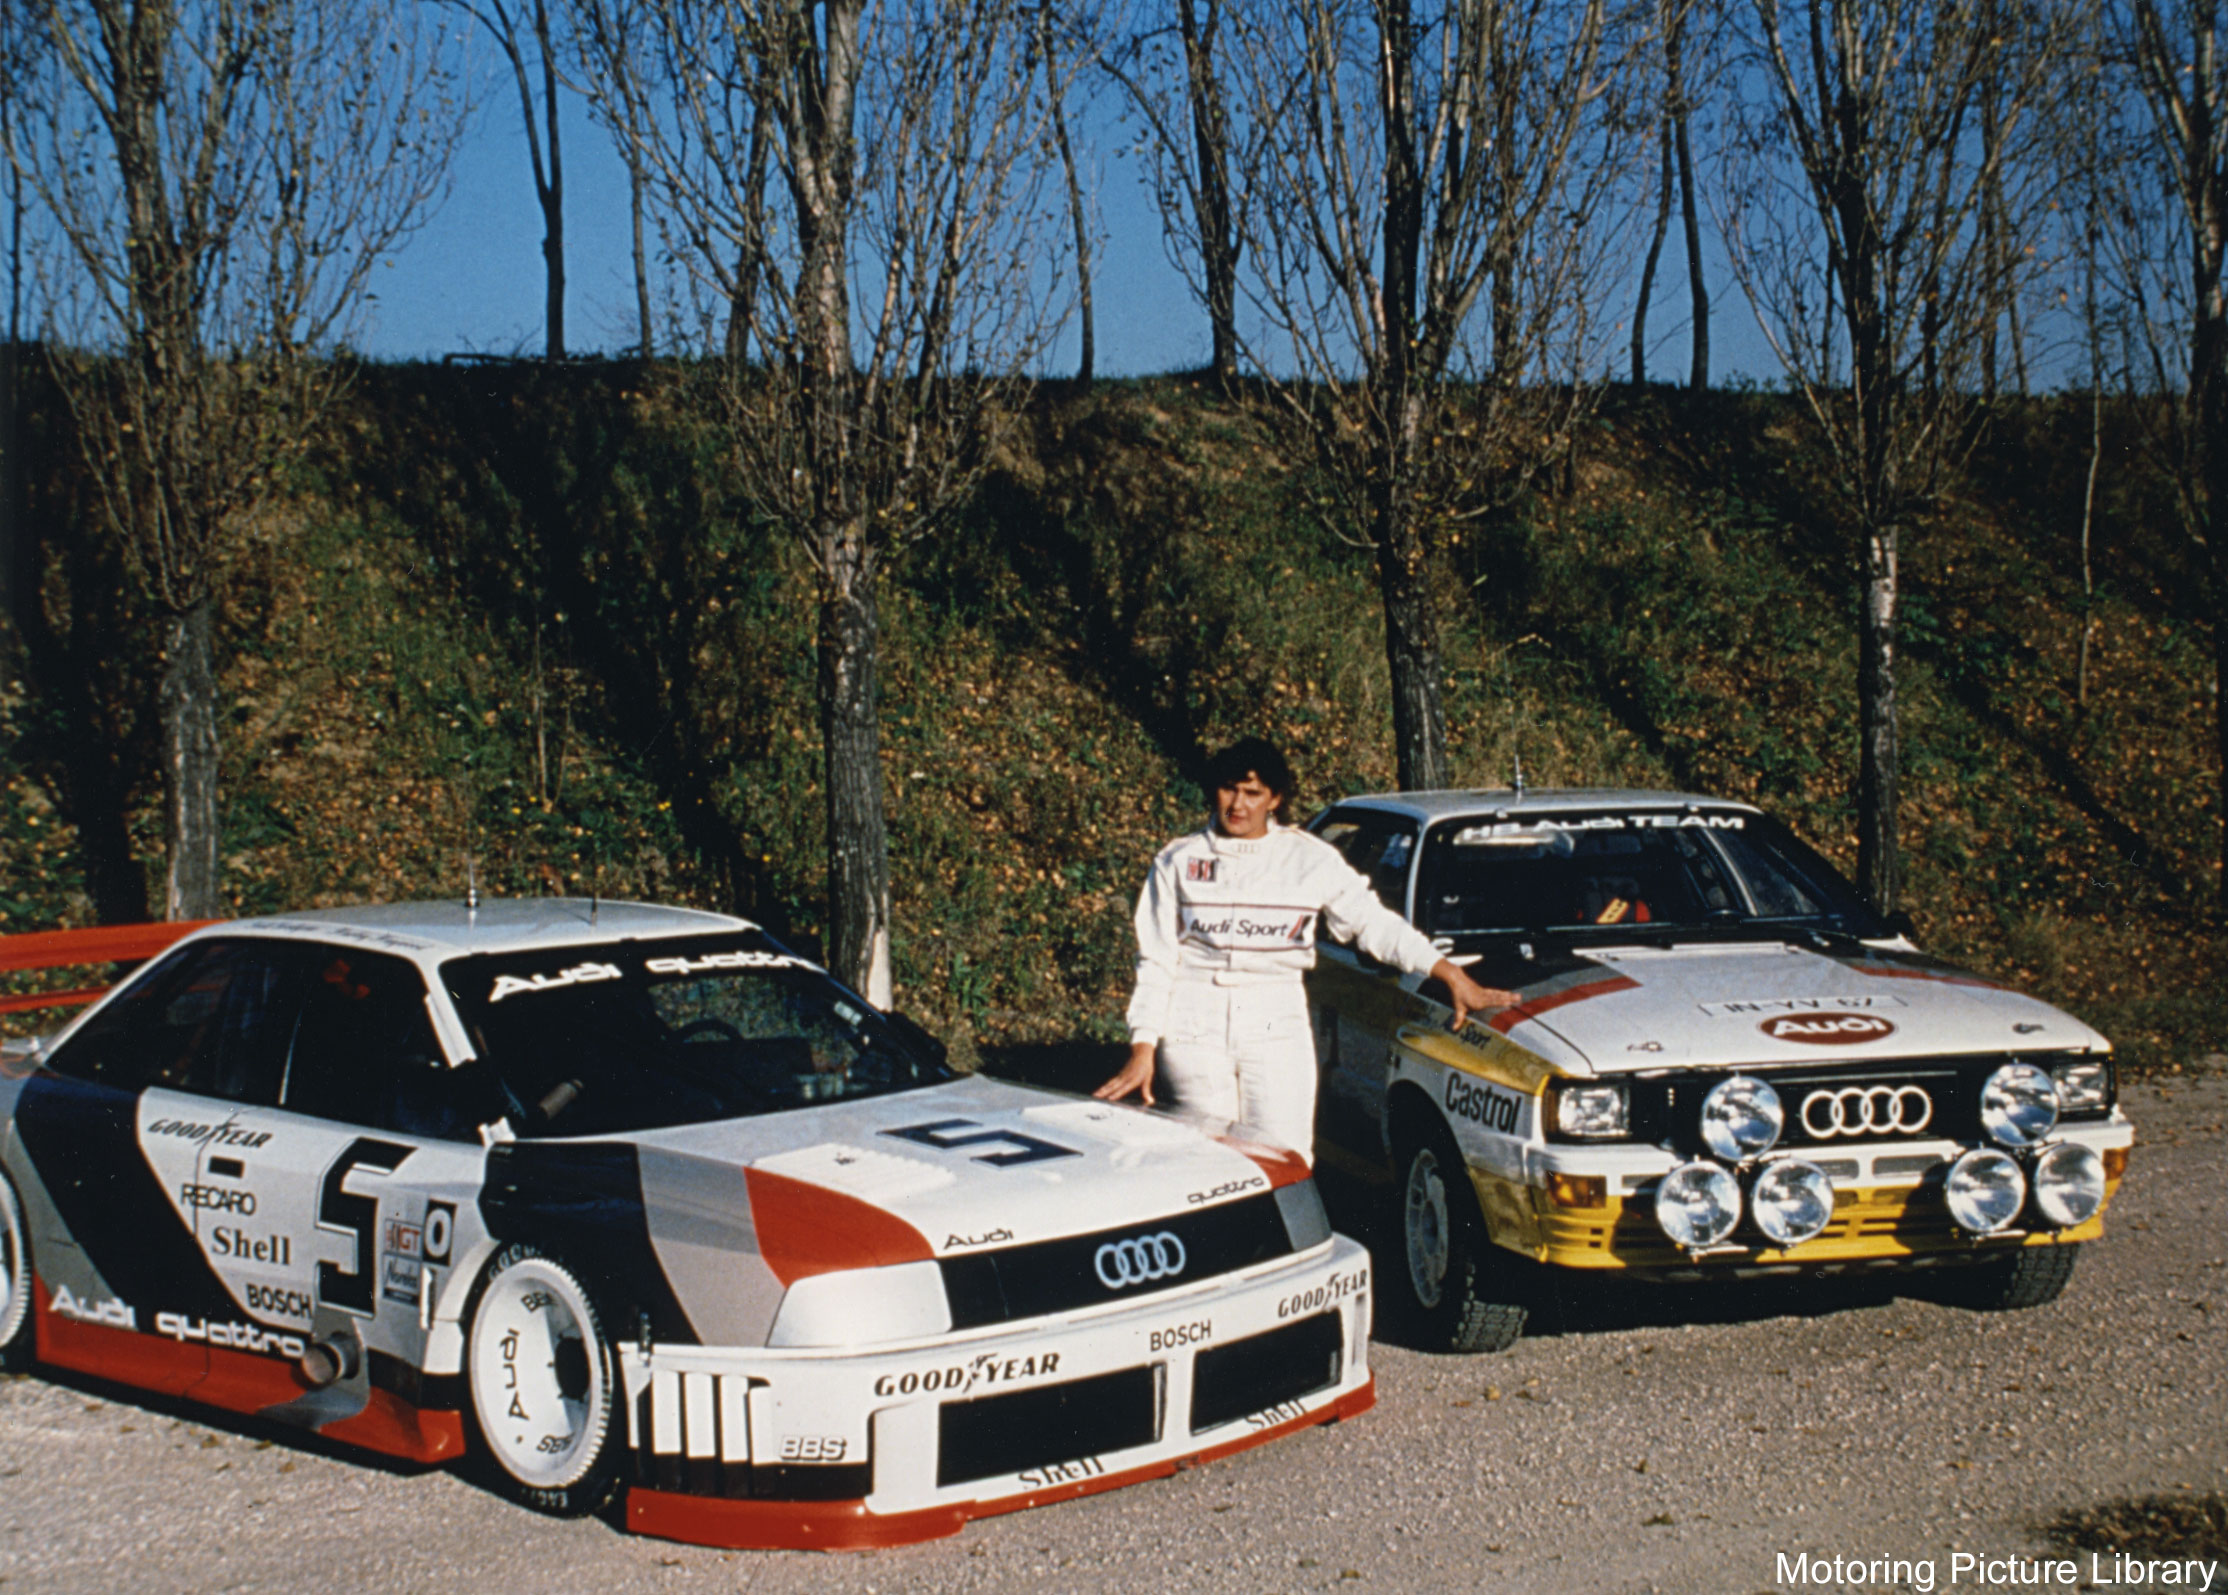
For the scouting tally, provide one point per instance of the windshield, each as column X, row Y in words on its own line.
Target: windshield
column 1589, row 872
column 644, row 1035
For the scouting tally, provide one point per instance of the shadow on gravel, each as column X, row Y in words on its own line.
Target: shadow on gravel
column 259, row 1432
column 2175, row 1526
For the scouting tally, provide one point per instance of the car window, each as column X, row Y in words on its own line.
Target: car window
column 621, row 1036
column 1381, row 846
column 1582, row 871
column 212, row 1017
column 364, row 1052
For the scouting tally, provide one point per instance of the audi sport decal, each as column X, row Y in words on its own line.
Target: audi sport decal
column 399, row 1278
column 1828, row 1029
column 1866, row 1110
column 1136, row 1259
column 578, row 975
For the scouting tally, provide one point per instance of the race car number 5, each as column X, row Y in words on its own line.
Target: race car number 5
column 950, row 1135
column 341, row 1211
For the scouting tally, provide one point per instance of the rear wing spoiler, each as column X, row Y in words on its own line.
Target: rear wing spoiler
column 74, row 949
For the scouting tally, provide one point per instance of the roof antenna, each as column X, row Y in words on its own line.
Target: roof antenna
column 1517, row 759
column 471, row 888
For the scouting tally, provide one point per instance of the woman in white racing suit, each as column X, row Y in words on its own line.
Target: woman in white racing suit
column 1225, row 929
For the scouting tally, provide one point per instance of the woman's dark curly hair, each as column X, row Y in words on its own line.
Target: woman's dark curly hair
column 1259, row 758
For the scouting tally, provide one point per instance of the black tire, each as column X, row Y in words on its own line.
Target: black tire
column 16, row 1332
column 1454, row 1287
column 2029, row 1277
column 545, row 1403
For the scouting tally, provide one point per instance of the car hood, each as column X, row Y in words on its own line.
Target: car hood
column 1646, row 1007
column 979, row 1162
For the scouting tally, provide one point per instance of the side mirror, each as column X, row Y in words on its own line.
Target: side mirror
column 1900, row 923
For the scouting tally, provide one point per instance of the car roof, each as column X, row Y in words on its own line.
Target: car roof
column 1513, row 803
column 452, row 927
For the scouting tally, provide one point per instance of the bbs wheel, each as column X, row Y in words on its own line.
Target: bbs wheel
column 2029, row 1277
column 544, row 1385
column 15, row 1283
column 1446, row 1256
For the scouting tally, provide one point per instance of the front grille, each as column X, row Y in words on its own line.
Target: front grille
column 1026, row 1429
column 1257, row 1373
column 1020, row 1282
column 1666, row 1108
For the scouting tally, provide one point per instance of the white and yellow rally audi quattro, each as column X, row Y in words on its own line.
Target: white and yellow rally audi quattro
column 620, row 1198
column 1723, row 1062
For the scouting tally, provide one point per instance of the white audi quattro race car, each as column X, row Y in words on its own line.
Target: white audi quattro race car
column 622, row 1197
column 1723, row 1063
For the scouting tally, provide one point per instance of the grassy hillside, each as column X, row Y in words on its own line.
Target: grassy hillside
column 520, row 616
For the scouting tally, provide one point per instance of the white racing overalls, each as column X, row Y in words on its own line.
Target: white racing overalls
column 1225, row 929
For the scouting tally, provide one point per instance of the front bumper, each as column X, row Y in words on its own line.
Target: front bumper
column 1888, row 1210
column 833, row 1451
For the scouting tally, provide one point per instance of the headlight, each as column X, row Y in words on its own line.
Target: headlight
column 1985, row 1191
column 864, row 1307
column 1792, row 1201
column 1697, row 1204
column 2084, row 1086
column 1586, row 1111
column 2069, row 1185
column 2018, row 1105
column 1741, row 1118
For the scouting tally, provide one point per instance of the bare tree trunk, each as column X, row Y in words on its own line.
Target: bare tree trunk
column 1698, row 292
column 1197, row 21
column 646, row 335
column 189, row 759
column 1411, row 651
column 552, row 195
column 1078, row 214
column 858, row 856
column 1656, row 237
column 1879, row 856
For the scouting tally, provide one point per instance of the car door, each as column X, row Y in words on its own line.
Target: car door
column 356, row 1171
column 1356, row 1001
column 126, row 1138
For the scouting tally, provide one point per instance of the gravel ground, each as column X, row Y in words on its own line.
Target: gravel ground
column 1683, row 1443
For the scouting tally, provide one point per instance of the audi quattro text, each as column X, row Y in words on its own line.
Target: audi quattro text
column 609, row 1197
column 1723, row 1062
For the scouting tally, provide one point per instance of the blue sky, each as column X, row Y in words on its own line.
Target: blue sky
column 471, row 279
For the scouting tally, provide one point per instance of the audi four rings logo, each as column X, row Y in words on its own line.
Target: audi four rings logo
column 1867, row 1110
column 1124, row 1263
